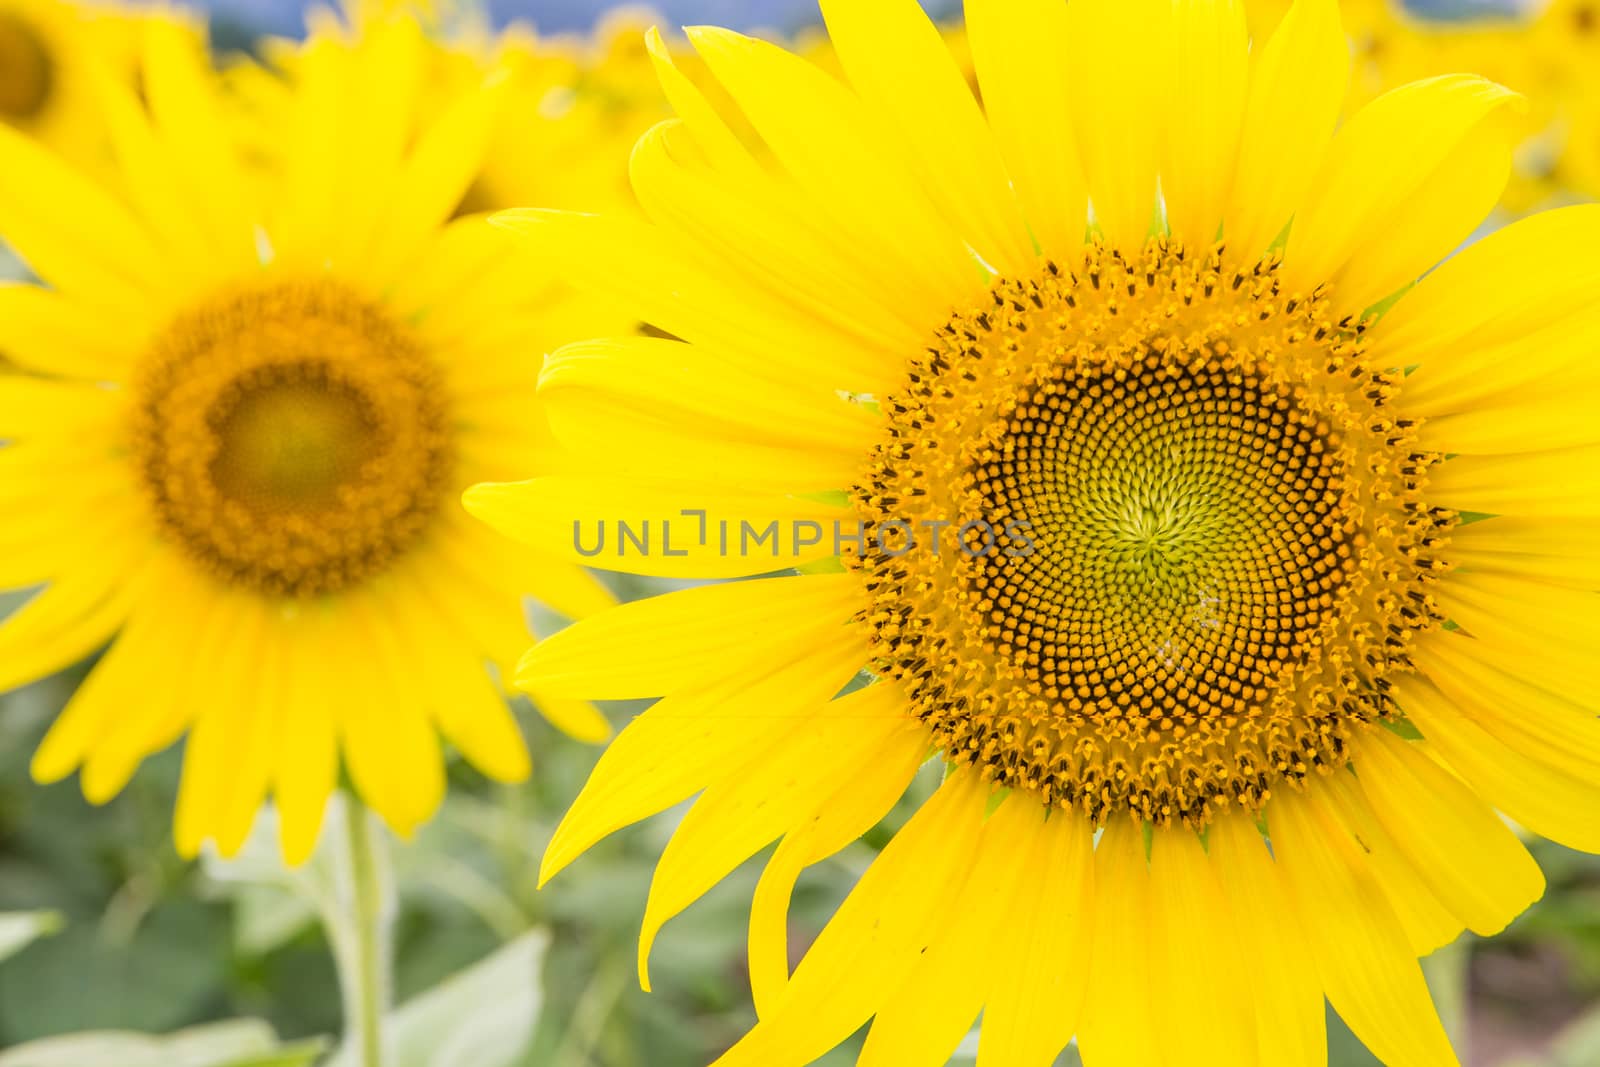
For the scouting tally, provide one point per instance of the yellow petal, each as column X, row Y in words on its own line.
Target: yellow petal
column 71, row 232
column 851, row 811
column 1406, row 180
column 1531, row 550
column 878, row 933
column 1036, row 999
column 627, row 262
column 771, row 793
column 1368, row 969
column 662, row 528
column 1538, row 796
column 716, row 141
column 389, row 69
column 1197, row 971
column 388, row 745
column 1564, row 483
column 454, row 684
column 1538, row 723
column 1543, row 635
column 188, row 119
column 1423, row 918
column 689, row 741
column 1297, row 87
column 1117, row 53
column 662, row 644
column 837, row 150
column 1116, row 1030
column 1469, row 858
column 71, row 618
column 219, row 732
column 256, row 702
column 158, row 698
column 761, row 234
column 1290, row 1023
column 660, row 407
column 155, row 185
column 36, row 407
column 1208, row 83
column 900, row 66
column 1562, row 419
column 307, row 764
column 1532, row 273
column 924, row 1019
column 446, row 158
column 578, row 719
column 48, row 332
column 570, row 591
column 129, row 673
column 304, row 211
column 1019, row 47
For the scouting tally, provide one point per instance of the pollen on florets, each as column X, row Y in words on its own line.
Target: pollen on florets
column 1229, row 550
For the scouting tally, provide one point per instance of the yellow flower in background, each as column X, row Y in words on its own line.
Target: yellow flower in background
column 1169, row 548
column 576, row 106
column 573, row 106
column 1548, row 52
column 242, row 430
column 47, row 51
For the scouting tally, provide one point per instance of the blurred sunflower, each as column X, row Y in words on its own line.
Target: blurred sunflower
column 1208, row 553
column 238, row 446
column 1545, row 51
column 573, row 105
column 46, row 50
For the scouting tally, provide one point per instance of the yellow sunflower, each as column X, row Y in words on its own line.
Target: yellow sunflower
column 1235, row 589
column 237, row 447
column 573, row 105
column 1547, row 51
column 47, row 50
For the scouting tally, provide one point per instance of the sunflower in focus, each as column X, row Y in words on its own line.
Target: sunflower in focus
column 1238, row 578
column 244, row 414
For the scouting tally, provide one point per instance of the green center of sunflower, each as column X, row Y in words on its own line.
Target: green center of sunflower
column 1193, row 544
column 292, row 437
column 27, row 72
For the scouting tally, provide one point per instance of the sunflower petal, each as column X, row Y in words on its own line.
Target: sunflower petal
column 1368, row 968
column 1469, row 858
column 1406, row 180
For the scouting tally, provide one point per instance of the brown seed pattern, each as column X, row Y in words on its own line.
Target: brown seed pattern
column 1229, row 549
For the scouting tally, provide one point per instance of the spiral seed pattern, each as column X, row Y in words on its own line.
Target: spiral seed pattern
column 1229, row 548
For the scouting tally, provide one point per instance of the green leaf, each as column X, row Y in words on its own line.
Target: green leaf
column 237, row 1043
column 90, row 977
column 482, row 1017
column 18, row 929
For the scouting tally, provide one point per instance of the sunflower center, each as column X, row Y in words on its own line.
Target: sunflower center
column 27, row 72
column 292, row 437
column 1194, row 544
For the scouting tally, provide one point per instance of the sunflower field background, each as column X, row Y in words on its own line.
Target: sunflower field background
column 116, row 952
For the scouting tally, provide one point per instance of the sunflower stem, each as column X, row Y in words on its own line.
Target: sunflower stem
column 1447, row 972
column 364, row 963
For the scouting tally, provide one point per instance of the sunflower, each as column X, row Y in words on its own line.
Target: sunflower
column 240, row 434
column 48, row 49
column 1237, row 578
column 1544, row 51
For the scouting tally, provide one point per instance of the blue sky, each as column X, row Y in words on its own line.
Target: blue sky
column 284, row 16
